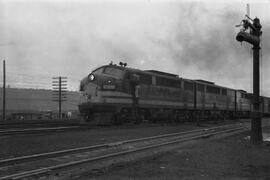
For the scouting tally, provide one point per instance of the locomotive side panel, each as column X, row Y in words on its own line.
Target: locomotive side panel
column 231, row 99
column 111, row 89
column 200, row 96
column 268, row 106
column 160, row 91
column 246, row 103
column 239, row 102
column 265, row 106
column 212, row 93
column 188, row 94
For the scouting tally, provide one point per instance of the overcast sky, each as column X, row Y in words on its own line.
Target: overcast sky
column 194, row 39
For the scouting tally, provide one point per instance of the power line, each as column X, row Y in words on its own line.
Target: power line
column 18, row 79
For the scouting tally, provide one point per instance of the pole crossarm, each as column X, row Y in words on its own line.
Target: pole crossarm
column 59, row 87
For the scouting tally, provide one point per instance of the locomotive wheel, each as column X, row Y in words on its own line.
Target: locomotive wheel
column 153, row 120
column 138, row 119
column 116, row 119
column 87, row 117
column 170, row 118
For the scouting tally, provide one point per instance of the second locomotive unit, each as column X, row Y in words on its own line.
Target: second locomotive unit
column 116, row 94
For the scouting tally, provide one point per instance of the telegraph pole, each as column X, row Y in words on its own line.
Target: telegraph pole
column 4, row 90
column 254, row 38
column 59, row 92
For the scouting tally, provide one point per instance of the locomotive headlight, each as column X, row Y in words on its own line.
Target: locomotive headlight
column 91, row 77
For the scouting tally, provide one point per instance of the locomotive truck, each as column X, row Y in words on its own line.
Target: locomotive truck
column 117, row 94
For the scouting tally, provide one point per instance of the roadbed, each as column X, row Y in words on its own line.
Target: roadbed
column 231, row 158
column 20, row 145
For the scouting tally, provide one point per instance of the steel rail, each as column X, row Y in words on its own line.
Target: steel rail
column 23, row 124
column 28, row 158
column 59, row 167
column 35, row 130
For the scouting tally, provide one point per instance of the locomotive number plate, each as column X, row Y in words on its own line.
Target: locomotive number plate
column 111, row 86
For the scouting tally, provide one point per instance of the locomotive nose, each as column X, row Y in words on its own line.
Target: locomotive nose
column 83, row 82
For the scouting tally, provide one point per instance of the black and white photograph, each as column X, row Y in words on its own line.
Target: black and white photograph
column 134, row 90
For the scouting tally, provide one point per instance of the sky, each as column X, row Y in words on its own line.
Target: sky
column 194, row 39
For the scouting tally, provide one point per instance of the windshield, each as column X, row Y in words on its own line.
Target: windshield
column 98, row 70
column 118, row 73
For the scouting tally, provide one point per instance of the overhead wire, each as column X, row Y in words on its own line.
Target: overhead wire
column 14, row 72
column 40, row 81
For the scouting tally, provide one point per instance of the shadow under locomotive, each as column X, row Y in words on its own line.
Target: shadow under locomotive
column 117, row 94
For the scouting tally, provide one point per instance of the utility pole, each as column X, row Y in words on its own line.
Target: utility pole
column 253, row 37
column 4, row 90
column 59, row 92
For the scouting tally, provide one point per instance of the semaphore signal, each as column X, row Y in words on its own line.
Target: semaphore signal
column 253, row 37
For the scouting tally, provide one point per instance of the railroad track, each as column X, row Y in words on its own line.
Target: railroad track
column 36, row 130
column 54, row 162
column 37, row 123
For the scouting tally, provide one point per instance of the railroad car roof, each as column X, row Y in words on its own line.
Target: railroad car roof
column 162, row 73
column 150, row 72
column 204, row 81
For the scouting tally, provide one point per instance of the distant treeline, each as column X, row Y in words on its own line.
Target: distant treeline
column 36, row 100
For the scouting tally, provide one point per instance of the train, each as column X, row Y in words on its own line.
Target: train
column 117, row 94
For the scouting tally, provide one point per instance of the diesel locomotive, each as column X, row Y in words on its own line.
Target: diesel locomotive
column 117, row 94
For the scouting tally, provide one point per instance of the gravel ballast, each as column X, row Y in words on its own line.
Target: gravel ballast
column 227, row 158
column 20, row 145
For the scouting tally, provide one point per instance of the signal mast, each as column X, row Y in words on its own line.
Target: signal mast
column 253, row 37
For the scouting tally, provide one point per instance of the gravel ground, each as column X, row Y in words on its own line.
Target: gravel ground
column 19, row 145
column 228, row 158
